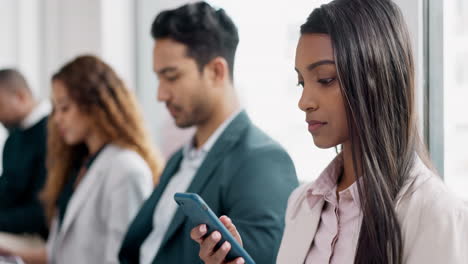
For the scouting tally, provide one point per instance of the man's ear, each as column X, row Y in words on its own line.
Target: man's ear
column 22, row 95
column 218, row 70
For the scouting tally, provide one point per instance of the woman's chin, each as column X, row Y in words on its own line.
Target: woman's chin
column 322, row 144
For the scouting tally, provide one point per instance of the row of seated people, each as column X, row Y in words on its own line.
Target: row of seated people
column 86, row 181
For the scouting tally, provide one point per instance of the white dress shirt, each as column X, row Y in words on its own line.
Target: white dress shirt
column 37, row 114
column 180, row 182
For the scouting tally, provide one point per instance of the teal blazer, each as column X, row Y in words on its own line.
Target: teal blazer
column 247, row 176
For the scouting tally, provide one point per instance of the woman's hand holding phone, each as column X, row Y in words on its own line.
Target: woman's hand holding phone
column 207, row 243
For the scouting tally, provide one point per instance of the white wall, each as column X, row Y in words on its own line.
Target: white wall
column 40, row 36
column 19, row 46
column 69, row 28
column 456, row 95
column 101, row 27
column 118, row 44
column 9, row 33
column 413, row 12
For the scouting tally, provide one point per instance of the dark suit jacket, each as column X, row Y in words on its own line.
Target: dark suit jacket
column 22, row 179
column 247, row 176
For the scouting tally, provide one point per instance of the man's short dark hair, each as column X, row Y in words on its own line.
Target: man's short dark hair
column 207, row 32
column 13, row 80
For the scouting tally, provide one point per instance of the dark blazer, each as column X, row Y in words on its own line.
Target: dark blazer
column 22, row 179
column 247, row 176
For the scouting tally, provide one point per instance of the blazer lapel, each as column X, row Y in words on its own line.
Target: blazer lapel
column 153, row 200
column 92, row 180
column 226, row 141
column 300, row 233
column 142, row 223
column 144, row 226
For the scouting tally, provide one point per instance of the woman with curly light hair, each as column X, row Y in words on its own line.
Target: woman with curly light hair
column 101, row 165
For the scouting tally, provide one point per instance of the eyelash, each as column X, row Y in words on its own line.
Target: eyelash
column 326, row 81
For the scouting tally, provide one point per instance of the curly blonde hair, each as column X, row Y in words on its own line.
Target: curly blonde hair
column 98, row 91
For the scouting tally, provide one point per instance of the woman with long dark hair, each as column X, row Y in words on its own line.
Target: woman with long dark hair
column 379, row 201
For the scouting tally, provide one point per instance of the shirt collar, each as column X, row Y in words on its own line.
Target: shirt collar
column 36, row 115
column 191, row 152
column 352, row 193
column 326, row 184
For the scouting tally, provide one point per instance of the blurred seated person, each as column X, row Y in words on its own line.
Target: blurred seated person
column 23, row 174
column 101, row 165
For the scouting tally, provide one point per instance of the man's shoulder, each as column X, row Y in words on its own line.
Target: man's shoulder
column 255, row 151
column 36, row 133
column 29, row 142
column 255, row 140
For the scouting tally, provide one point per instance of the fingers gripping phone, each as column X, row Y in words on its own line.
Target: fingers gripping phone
column 199, row 213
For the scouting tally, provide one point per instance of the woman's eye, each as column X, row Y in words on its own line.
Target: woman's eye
column 300, row 83
column 326, row 81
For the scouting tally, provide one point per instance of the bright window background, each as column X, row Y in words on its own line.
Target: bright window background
column 456, row 95
column 265, row 76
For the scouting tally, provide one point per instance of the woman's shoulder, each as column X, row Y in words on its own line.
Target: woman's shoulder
column 432, row 216
column 427, row 194
column 297, row 199
column 124, row 161
column 124, row 157
column 428, row 204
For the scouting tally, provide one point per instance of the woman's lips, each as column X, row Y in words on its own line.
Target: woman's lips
column 315, row 125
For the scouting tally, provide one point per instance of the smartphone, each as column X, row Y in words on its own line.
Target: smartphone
column 199, row 213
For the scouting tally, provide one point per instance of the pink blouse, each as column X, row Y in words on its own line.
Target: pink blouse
column 338, row 231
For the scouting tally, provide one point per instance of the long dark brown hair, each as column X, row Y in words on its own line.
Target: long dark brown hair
column 375, row 68
column 103, row 97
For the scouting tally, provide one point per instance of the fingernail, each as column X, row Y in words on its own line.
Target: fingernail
column 240, row 261
column 203, row 228
column 216, row 235
column 226, row 245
